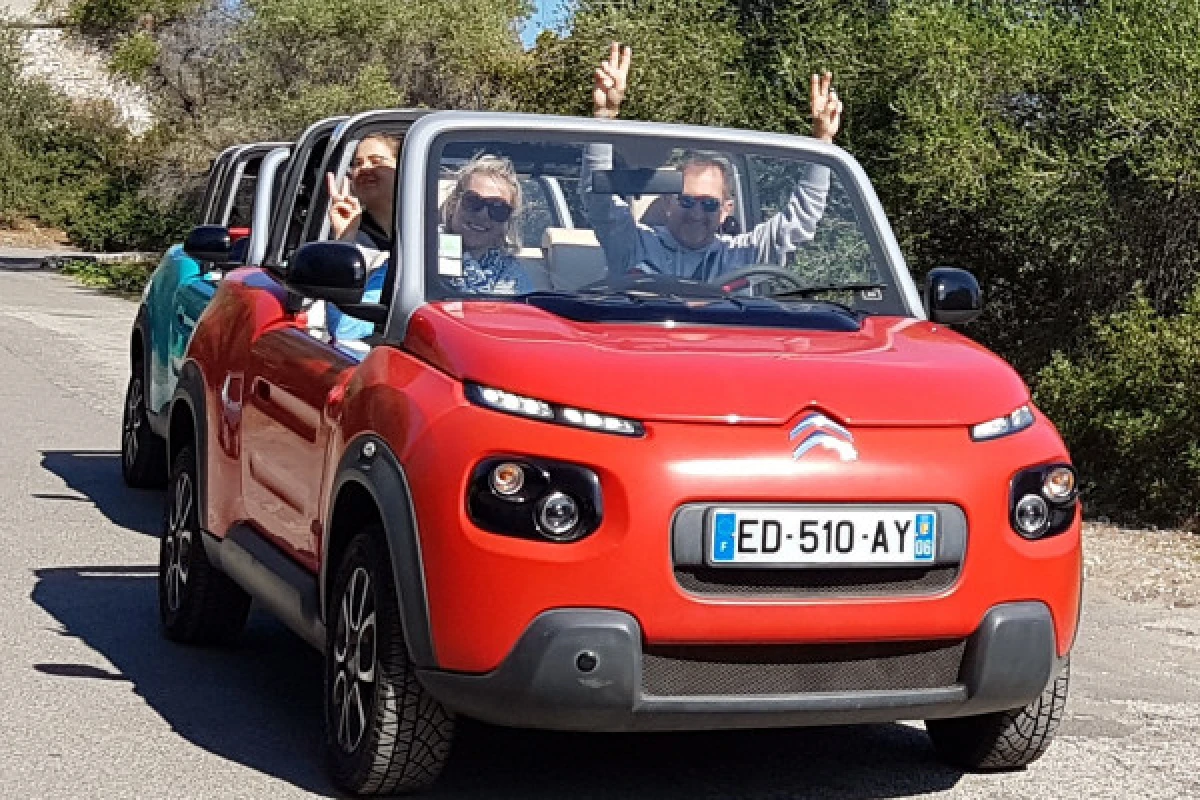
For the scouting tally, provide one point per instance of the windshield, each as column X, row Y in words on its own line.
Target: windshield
column 650, row 228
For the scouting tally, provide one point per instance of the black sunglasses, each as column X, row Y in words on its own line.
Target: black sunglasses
column 498, row 210
column 711, row 205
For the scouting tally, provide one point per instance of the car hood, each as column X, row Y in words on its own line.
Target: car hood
column 893, row 371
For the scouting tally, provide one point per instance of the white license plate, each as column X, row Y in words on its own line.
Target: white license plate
column 773, row 537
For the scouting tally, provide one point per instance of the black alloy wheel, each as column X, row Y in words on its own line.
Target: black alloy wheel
column 197, row 603
column 143, row 452
column 383, row 732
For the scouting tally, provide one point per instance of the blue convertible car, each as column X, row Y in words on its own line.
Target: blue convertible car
column 236, row 202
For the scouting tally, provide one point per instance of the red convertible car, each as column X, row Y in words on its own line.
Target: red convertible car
column 701, row 456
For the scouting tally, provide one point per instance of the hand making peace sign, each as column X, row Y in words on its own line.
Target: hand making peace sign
column 611, row 79
column 345, row 211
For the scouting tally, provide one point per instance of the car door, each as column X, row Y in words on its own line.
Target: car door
column 294, row 381
column 296, row 376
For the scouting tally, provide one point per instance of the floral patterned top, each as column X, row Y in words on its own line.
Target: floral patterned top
column 497, row 272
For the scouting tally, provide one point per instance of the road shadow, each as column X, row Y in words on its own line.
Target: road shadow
column 862, row 762
column 259, row 704
column 96, row 476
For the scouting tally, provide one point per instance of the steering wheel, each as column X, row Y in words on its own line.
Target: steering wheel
column 655, row 284
column 729, row 278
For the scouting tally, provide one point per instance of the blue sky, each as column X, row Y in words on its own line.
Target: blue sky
column 547, row 14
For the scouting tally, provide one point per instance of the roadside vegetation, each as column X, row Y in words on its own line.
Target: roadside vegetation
column 121, row 277
column 1048, row 146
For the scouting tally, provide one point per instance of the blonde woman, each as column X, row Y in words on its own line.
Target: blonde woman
column 483, row 209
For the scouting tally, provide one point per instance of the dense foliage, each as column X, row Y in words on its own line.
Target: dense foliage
column 1047, row 145
column 1127, row 405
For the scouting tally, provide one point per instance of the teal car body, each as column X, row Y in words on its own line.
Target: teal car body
column 237, row 202
column 179, row 291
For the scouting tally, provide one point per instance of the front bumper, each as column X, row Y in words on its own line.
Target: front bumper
column 1006, row 663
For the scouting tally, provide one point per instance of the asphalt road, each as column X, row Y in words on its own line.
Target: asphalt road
column 94, row 703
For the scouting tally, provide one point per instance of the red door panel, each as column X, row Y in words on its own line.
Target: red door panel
column 290, row 377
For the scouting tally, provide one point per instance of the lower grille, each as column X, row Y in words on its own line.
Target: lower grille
column 693, row 671
column 816, row 582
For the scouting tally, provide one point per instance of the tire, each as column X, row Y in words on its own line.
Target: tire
column 384, row 734
column 143, row 452
column 197, row 603
column 1005, row 739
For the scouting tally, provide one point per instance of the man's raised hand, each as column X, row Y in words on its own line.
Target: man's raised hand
column 345, row 212
column 610, row 81
column 826, row 107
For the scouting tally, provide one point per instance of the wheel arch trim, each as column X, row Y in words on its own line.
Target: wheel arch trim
column 189, row 394
column 383, row 477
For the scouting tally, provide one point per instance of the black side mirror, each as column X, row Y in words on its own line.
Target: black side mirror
column 333, row 271
column 208, row 243
column 952, row 296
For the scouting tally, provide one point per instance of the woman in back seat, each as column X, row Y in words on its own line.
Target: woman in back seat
column 370, row 188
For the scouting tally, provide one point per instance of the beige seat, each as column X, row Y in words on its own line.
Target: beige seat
column 574, row 257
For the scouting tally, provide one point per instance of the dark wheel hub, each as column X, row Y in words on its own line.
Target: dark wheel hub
column 133, row 421
column 178, row 541
column 354, row 661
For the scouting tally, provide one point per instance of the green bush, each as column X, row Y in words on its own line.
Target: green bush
column 1127, row 408
column 120, row 277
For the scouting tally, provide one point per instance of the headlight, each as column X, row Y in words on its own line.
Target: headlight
column 557, row 516
column 535, row 498
column 1058, row 484
column 507, row 479
column 522, row 406
column 1018, row 420
column 1043, row 500
column 1031, row 515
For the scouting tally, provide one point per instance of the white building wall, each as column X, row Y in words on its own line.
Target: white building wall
column 78, row 70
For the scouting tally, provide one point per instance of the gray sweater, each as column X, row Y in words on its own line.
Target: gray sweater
column 628, row 243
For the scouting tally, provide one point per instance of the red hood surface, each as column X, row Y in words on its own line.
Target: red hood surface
column 894, row 371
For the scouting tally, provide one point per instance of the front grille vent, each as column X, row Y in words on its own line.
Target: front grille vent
column 870, row 582
column 801, row 669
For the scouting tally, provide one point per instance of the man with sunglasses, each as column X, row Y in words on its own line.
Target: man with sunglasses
column 691, row 244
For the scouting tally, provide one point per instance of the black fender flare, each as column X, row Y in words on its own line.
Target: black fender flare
column 370, row 463
column 190, row 393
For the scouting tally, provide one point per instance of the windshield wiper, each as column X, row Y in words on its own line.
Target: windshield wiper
column 809, row 291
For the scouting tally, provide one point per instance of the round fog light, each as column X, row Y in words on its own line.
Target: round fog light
column 507, row 479
column 1032, row 515
column 558, row 515
column 1059, row 484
